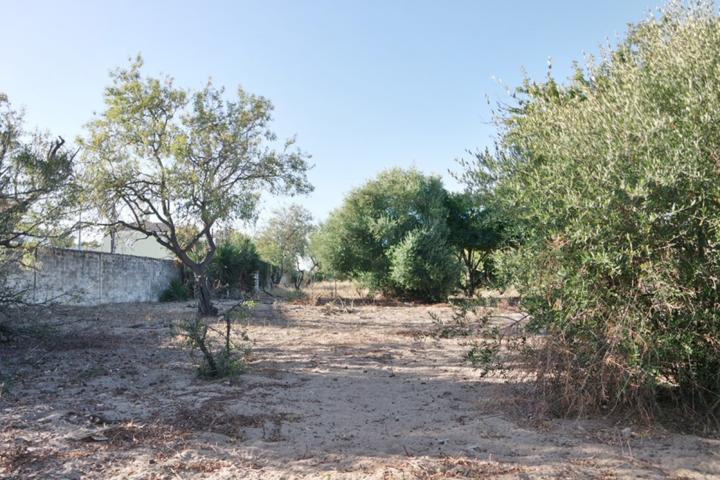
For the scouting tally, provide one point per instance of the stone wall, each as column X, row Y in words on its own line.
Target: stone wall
column 79, row 277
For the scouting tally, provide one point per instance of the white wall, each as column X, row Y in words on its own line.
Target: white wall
column 81, row 277
column 135, row 243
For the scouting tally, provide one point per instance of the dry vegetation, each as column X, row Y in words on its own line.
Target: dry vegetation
column 334, row 390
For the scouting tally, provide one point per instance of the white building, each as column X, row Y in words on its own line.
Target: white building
column 130, row 242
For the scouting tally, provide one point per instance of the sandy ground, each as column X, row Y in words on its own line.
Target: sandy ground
column 109, row 392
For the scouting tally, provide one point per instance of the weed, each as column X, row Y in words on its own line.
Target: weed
column 459, row 324
column 483, row 355
column 176, row 292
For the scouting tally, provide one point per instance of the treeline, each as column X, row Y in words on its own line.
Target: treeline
column 172, row 164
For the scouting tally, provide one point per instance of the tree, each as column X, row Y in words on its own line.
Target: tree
column 614, row 178
column 169, row 158
column 315, row 252
column 284, row 241
column 391, row 234
column 476, row 232
column 36, row 191
column 36, row 176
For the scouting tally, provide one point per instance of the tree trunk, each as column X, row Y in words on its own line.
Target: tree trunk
column 471, row 282
column 202, row 291
column 113, row 229
column 113, row 239
column 298, row 280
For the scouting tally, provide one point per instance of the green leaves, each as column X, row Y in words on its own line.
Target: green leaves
column 391, row 234
column 164, row 154
column 162, row 160
column 235, row 263
column 284, row 241
column 421, row 267
column 614, row 178
column 36, row 182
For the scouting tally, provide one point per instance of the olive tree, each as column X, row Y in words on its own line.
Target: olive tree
column 284, row 241
column 391, row 234
column 477, row 231
column 614, row 176
column 166, row 158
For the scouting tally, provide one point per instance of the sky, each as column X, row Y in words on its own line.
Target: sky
column 364, row 85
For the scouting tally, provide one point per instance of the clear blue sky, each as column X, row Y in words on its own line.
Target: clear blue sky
column 365, row 85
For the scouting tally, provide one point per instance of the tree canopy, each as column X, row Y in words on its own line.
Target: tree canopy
column 36, row 175
column 167, row 158
column 37, row 192
column 613, row 176
column 476, row 232
column 391, row 234
column 284, row 241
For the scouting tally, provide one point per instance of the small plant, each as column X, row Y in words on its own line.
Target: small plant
column 176, row 292
column 484, row 355
column 459, row 324
column 220, row 356
column 457, row 327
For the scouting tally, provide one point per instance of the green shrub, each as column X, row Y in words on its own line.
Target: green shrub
column 234, row 265
column 614, row 177
column 176, row 292
column 421, row 267
column 221, row 355
column 382, row 237
column 483, row 355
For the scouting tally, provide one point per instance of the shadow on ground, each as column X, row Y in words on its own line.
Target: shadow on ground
column 110, row 392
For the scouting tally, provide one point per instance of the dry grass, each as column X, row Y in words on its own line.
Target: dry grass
column 347, row 290
column 458, row 468
column 321, row 293
column 331, row 392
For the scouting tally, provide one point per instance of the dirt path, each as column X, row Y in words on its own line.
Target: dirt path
column 329, row 394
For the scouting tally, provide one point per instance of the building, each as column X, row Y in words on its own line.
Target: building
column 131, row 242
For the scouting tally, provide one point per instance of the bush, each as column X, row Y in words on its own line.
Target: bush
column 419, row 265
column 614, row 177
column 221, row 357
column 391, row 235
column 234, row 265
column 176, row 292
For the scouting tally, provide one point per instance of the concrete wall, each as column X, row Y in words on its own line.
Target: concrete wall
column 79, row 277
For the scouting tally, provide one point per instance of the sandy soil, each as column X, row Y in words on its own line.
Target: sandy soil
column 109, row 392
